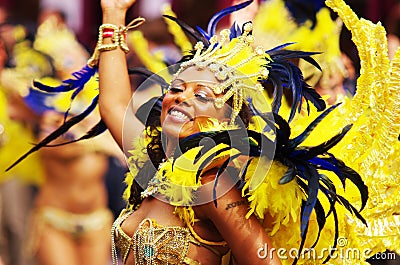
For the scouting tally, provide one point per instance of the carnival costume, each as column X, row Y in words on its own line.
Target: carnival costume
column 35, row 61
column 376, row 95
column 74, row 225
column 25, row 63
column 302, row 188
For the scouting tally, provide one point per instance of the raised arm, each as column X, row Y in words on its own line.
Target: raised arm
column 115, row 88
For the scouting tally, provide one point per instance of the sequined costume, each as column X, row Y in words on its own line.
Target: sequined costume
column 74, row 225
column 155, row 243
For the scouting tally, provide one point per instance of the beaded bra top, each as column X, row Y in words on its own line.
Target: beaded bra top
column 154, row 244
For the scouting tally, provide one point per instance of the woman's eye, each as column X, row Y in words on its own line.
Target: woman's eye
column 202, row 97
column 175, row 90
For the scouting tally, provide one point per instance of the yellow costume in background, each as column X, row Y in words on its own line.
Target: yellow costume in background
column 274, row 25
column 65, row 51
column 14, row 83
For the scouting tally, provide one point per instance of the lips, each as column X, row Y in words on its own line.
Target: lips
column 180, row 114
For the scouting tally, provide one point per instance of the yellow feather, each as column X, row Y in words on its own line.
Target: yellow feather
column 141, row 47
column 14, row 137
column 180, row 38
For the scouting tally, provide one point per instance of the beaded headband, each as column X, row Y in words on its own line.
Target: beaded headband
column 235, row 63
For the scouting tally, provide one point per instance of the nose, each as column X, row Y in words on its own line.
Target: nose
column 185, row 97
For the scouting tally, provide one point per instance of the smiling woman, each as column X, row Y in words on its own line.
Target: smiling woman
column 216, row 176
column 199, row 152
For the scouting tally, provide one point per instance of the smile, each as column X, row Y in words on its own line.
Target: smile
column 179, row 115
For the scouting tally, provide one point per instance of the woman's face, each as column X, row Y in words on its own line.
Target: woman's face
column 189, row 102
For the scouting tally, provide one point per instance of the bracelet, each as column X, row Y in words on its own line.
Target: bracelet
column 108, row 33
column 123, row 32
column 118, row 37
column 112, row 31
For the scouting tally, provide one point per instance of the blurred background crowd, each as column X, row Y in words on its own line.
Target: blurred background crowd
column 48, row 40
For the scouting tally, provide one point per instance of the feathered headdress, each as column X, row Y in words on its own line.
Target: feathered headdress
column 236, row 63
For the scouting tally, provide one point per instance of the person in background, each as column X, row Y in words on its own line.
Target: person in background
column 70, row 217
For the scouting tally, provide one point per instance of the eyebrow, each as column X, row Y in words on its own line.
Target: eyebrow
column 207, row 86
column 199, row 83
column 180, row 81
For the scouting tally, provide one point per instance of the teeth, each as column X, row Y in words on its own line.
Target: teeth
column 179, row 115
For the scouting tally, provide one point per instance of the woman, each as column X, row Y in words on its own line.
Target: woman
column 70, row 218
column 210, row 85
column 185, row 102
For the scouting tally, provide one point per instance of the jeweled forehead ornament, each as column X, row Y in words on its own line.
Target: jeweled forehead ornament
column 236, row 65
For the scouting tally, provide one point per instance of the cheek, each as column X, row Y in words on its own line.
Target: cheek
column 168, row 99
column 209, row 110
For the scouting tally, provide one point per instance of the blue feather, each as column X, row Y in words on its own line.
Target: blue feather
column 313, row 187
column 97, row 129
column 280, row 47
column 298, row 152
column 329, row 192
column 324, row 164
column 212, row 24
column 36, row 100
column 235, row 31
column 204, row 33
column 297, row 87
column 81, row 77
column 279, row 54
column 324, row 147
column 301, row 137
column 61, row 130
column 285, row 70
column 77, row 83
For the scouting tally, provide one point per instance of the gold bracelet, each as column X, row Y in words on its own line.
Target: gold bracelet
column 118, row 37
column 108, row 30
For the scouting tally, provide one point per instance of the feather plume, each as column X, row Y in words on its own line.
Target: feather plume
column 77, row 83
column 192, row 32
column 61, row 130
column 212, row 24
column 96, row 130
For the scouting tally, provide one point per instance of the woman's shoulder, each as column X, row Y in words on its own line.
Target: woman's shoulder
column 217, row 189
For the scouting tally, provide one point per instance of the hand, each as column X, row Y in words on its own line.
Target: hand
column 116, row 4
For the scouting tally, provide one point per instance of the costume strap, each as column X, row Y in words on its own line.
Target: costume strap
column 204, row 241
